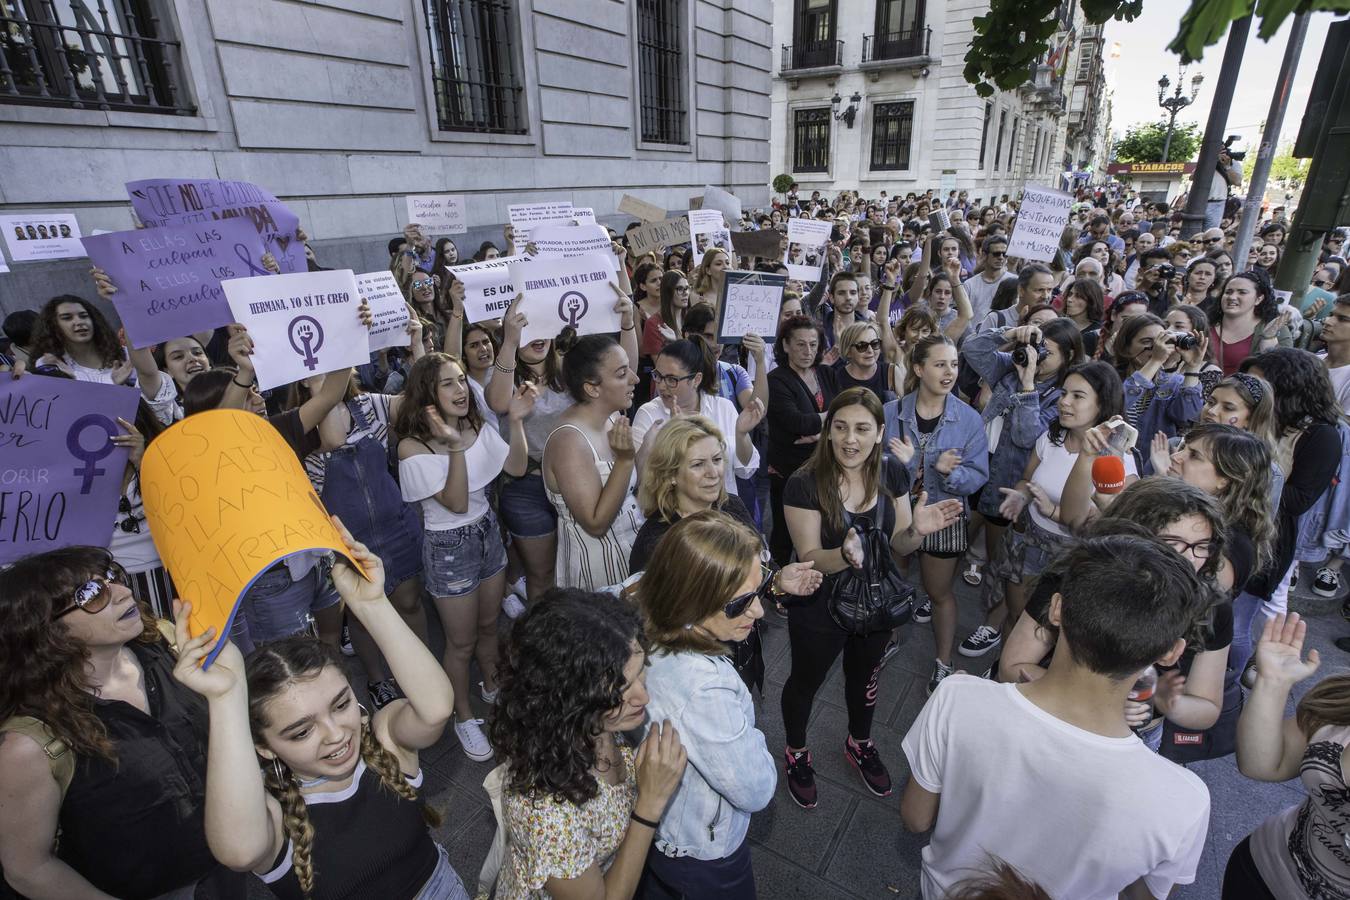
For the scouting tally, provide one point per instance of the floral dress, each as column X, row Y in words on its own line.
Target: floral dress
column 550, row 838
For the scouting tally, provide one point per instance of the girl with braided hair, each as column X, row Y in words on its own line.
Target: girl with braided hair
column 303, row 787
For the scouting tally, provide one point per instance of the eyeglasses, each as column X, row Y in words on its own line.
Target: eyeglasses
column 93, row 596
column 682, row 288
column 736, row 606
column 422, row 283
column 671, row 381
column 1199, row 549
column 864, row 346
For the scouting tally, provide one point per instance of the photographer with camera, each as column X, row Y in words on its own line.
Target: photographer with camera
column 1228, row 174
column 1161, row 376
column 1158, row 279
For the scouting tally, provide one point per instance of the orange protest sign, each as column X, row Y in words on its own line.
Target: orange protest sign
column 226, row 498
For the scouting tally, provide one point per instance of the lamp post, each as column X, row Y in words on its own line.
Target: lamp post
column 1175, row 103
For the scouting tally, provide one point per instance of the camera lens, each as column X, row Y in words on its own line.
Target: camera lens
column 1183, row 340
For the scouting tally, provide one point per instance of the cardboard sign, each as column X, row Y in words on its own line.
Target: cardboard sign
column 728, row 204
column 707, row 230
column 438, row 213
column 37, row 236
column 750, row 304
column 658, row 235
column 60, row 473
column 159, row 202
column 1040, row 222
column 389, row 312
column 525, row 215
column 488, row 290
column 168, row 279
column 560, row 292
column 767, row 243
column 647, row 212
column 302, row 325
column 806, row 248
column 226, row 498
column 573, row 240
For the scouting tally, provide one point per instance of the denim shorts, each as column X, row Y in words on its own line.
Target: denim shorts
column 525, row 507
column 455, row 560
column 275, row 607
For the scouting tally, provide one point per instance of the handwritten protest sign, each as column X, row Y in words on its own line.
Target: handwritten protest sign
column 226, row 498
column 525, row 215
column 160, row 202
column 764, row 244
column 728, row 204
column 750, row 303
column 806, row 248
column 559, row 292
column 438, row 213
column 573, row 240
column 647, row 212
column 38, row 236
column 488, row 290
column 658, row 235
column 1040, row 223
column 388, row 310
column 168, row 279
column 707, row 230
column 301, row 325
column 60, row 474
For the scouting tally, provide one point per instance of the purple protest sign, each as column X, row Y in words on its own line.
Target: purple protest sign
column 179, row 201
column 60, row 474
column 168, row 279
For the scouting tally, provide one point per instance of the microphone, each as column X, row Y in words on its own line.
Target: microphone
column 1108, row 474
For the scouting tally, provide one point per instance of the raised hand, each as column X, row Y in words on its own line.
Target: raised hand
column 1160, row 454
column 1194, row 358
column 1044, row 505
column 102, row 283
column 1279, row 653
column 1014, row 501
column 133, row 440
column 754, row 344
column 749, row 417
column 522, row 401
column 363, row 313
column 930, row 518
column 240, row 347
column 269, row 263
column 354, row 588
column 442, row 430
column 948, row 461
column 621, row 439
column 226, row 672
column 901, row 449
column 514, row 322
column 800, row 579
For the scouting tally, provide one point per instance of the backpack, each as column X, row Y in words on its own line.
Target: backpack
column 872, row 598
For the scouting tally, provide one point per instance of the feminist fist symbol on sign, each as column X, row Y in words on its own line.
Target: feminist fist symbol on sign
column 572, row 307
column 306, row 337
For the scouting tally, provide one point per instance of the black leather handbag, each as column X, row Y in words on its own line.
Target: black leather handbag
column 873, row 598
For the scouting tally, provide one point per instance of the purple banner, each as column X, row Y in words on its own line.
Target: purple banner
column 168, row 279
column 180, row 201
column 60, row 474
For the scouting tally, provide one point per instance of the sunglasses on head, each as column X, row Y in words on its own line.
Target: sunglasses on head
column 93, row 596
column 736, row 606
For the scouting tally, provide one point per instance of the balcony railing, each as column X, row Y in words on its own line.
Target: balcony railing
column 897, row 45
column 812, row 55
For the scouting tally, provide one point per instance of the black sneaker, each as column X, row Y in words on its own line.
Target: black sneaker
column 940, row 671
column 801, row 778
column 923, row 613
column 1293, row 578
column 345, row 645
column 1327, row 583
column 382, row 693
column 980, row 642
column 867, row 761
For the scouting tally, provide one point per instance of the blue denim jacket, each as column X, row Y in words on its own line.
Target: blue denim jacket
column 731, row 773
column 1026, row 414
column 1326, row 525
column 1175, row 405
column 960, row 429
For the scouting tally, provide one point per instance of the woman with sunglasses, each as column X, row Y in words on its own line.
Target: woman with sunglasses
column 861, row 363
column 128, row 792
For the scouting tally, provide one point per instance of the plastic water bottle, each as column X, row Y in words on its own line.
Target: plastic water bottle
column 1143, row 689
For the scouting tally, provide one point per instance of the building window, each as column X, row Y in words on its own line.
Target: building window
column 998, row 145
column 813, row 35
column 475, row 66
column 811, row 140
column 1012, row 145
column 984, row 131
column 661, row 71
column 1036, row 151
column 900, row 31
column 114, row 54
column 892, row 128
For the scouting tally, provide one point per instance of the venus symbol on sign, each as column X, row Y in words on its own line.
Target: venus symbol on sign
column 306, row 337
column 572, row 307
column 90, row 457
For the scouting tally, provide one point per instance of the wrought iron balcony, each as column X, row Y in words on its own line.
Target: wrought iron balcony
column 897, row 46
column 810, row 55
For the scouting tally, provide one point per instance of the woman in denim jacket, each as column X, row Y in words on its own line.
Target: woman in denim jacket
column 942, row 442
column 704, row 587
column 1023, row 403
column 1157, row 400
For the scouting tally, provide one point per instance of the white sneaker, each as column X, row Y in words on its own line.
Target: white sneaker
column 512, row 606
column 489, row 697
column 517, row 587
column 472, row 739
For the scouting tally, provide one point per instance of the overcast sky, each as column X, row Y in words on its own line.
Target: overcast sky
column 1133, row 75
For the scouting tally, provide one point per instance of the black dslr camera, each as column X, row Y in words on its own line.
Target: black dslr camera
column 1234, row 155
column 1022, row 353
column 1184, row 340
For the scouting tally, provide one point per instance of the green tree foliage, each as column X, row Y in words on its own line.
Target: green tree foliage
column 782, row 183
column 1144, row 143
column 1284, row 168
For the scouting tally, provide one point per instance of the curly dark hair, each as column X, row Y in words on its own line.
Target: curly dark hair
column 52, row 683
column 1303, row 391
column 48, row 338
column 561, row 674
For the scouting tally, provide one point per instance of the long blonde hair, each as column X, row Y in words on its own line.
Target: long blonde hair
column 702, row 279
column 656, row 493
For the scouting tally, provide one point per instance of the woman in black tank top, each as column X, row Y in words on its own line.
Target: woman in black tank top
column 303, row 787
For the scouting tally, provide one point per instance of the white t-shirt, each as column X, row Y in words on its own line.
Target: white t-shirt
column 1340, row 383
column 422, row 477
column 1053, row 472
column 722, row 413
column 981, row 294
column 1081, row 814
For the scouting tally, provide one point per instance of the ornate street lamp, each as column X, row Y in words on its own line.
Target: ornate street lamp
column 1175, row 103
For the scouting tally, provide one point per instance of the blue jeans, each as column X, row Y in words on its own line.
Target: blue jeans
column 275, row 607
column 1247, row 616
column 673, row 878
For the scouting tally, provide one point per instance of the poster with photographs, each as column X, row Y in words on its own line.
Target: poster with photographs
column 707, row 230
column 806, row 248
column 37, row 236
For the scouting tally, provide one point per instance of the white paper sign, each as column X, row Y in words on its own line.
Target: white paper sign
column 707, row 230
column 302, row 323
column 438, row 213
column 573, row 240
column 584, row 215
column 38, row 236
column 525, row 215
column 561, row 292
column 388, row 310
column 806, row 248
column 728, row 204
column 487, row 287
column 1040, row 223
column 750, row 305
